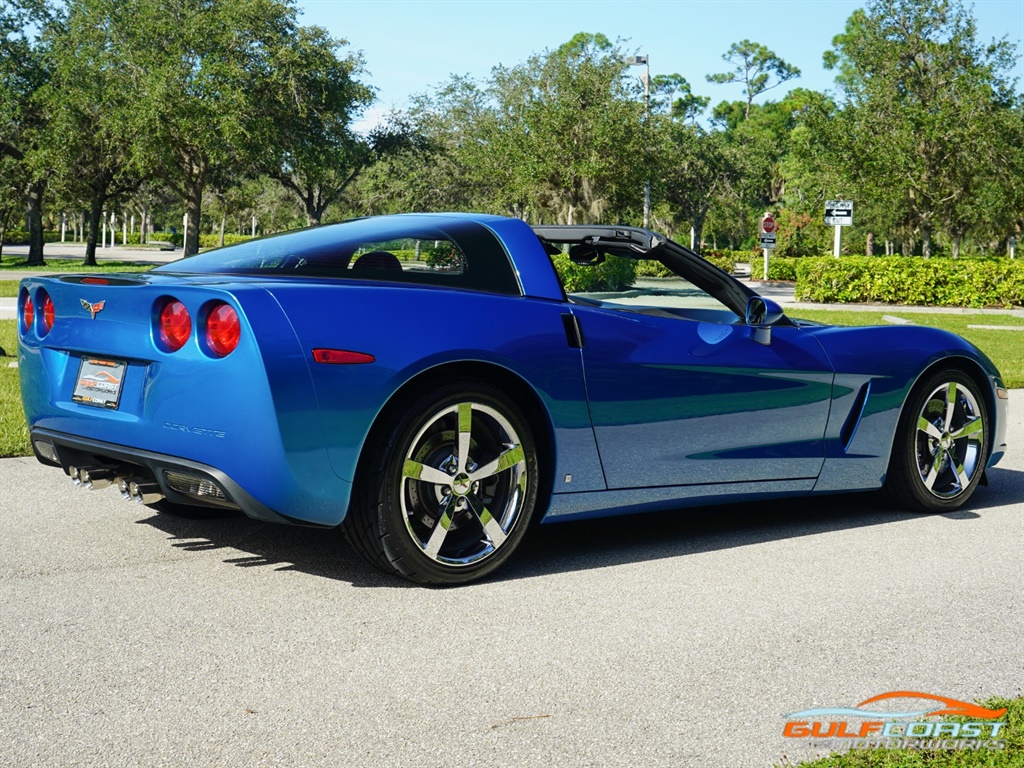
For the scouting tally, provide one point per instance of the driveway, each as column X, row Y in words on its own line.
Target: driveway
column 679, row 639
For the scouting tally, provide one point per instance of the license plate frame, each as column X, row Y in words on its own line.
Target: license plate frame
column 99, row 382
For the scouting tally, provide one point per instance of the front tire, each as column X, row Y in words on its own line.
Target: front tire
column 941, row 445
column 452, row 490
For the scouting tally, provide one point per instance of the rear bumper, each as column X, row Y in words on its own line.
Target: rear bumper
column 166, row 471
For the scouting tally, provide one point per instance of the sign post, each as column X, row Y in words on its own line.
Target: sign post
column 767, row 232
column 838, row 213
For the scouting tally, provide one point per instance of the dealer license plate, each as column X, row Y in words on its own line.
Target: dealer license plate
column 99, row 382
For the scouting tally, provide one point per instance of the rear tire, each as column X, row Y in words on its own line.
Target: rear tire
column 451, row 491
column 941, row 445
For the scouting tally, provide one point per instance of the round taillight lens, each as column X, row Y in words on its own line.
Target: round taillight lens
column 222, row 330
column 175, row 325
column 28, row 312
column 47, row 313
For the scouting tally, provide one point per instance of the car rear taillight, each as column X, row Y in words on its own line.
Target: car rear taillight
column 47, row 313
column 222, row 330
column 28, row 312
column 174, row 325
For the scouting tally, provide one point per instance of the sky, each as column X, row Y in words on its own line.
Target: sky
column 410, row 46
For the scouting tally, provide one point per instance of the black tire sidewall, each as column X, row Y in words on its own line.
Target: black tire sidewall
column 404, row 554
column 905, row 470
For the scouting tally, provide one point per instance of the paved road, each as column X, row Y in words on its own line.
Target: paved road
column 134, row 639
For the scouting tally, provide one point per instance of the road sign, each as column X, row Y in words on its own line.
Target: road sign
column 768, row 231
column 838, row 213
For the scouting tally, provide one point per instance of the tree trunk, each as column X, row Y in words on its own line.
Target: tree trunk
column 869, row 246
column 926, row 239
column 957, row 236
column 194, row 209
column 223, row 220
column 698, row 229
column 95, row 216
column 35, row 223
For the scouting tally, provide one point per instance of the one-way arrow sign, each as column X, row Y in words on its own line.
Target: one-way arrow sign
column 838, row 213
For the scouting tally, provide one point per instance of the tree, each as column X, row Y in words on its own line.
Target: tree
column 672, row 93
column 320, row 155
column 90, row 104
column 697, row 168
column 756, row 67
column 441, row 166
column 23, row 117
column 12, row 193
column 202, row 73
column 922, row 112
column 569, row 125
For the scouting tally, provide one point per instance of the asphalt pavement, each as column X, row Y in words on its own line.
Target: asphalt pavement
column 129, row 638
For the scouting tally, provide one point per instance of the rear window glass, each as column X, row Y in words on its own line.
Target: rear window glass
column 408, row 249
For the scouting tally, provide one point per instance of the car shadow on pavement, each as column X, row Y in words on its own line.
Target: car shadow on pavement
column 573, row 546
column 254, row 544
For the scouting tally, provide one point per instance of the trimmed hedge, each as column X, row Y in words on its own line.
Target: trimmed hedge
column 779, row 267
column 213, row 240
column 614, row 274
column 651, row 268
column 912, row 280
column 726, row 263
column 20, row 237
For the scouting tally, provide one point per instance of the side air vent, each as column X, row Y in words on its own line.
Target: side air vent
column 573, row 332
column 856, row 414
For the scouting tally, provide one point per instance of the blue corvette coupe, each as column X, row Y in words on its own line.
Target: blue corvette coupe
column 425, row 382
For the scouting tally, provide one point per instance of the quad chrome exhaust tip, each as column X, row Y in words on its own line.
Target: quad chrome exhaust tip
column 92, row 478
column 139, row 490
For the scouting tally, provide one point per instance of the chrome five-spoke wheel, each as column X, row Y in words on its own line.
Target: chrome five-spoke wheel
column 464, row 479
column 456, row 487
column 942, row 445
column 950, row 440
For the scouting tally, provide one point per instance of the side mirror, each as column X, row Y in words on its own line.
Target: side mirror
column 761, row 314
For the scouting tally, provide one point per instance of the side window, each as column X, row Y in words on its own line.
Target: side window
column 423, row 249
column 443, row 257
column 644, row 286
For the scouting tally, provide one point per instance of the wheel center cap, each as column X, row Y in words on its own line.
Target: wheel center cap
column 461, row 484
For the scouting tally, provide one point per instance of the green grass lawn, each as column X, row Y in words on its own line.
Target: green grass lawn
column 1005, row 348
column 13, row 430
column 8, row 289
column 1011, row 757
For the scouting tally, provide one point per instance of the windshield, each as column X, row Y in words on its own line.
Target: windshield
column 637, row 270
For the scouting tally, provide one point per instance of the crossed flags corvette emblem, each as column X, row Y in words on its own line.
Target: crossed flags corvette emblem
column 93, row 309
